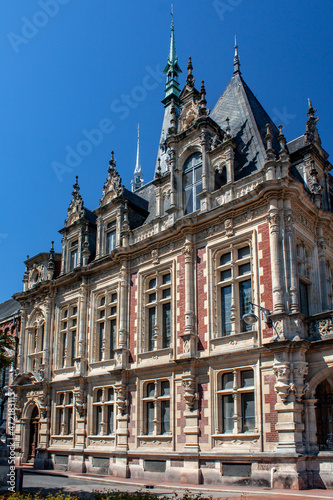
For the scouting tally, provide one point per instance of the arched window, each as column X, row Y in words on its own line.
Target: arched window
column 324, row 414
column 192, row 182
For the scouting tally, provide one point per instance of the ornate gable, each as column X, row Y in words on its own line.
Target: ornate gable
column 113, row 187
column 75, row 210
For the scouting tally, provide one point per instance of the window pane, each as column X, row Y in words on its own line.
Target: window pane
column 304, row 297
column 99, row 395
column 165, row 388
column 110, row 394
column 225, row 275
column 247, row 379
column 166, row 325
column 73, row 260
column 102, row 313
column 225, row 258
column 226, row 309
column 60, row 421
column 150, row 418
column 151, row 328
column 244, row 269
column 70, row 420
column 188, row 201
column 197, row 200
column 243, row 252
column 110, row 241
column 227, row 413
column 114, row 297
column 101, row 337
column 166, row 293
column 165, row 417
column 98, row 422
column 73, row 353
column 198, row 175
column 152, row 297
column 166, row 278
column 248, row 415
column 113, row 336
column 188, row 180
column 227, row 381
column 150, row 390
column 152, row 283
column 113, row 310
column 245, row 297
column 102, row 302
column 110, row 419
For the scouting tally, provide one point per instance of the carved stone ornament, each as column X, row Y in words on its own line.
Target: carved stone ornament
column 282, row 385
column 80, row 404
column 41, row 399
column 120, row 389
column 188, row 252
column 190, row 395
column 274, row 221
column 321, row 328
column 229, row 227
column 300, row 370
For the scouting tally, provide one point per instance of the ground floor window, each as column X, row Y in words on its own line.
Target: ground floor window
column 324, row 415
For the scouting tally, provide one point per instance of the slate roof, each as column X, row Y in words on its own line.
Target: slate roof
column 9, row 308
column 296, row 144
column 248, row 121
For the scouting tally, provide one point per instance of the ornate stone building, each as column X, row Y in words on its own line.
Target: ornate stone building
column 140, row 355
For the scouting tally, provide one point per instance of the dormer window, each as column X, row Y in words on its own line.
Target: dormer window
column 73, row 255
column 192, row 182
column 110, row 237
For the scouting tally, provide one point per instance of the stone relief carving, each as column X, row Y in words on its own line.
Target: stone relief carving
column 190, row 395
column 290, row 379
column 321, row 328
column 80, row 403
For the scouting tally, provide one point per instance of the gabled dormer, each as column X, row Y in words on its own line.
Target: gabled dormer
column 79, row 234
column 40, row 268
column 118, row 213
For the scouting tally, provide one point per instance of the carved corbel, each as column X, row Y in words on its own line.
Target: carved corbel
column 190, row 395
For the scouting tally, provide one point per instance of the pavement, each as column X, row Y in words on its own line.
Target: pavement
column 53, row 481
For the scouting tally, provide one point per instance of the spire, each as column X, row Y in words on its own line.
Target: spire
column 236, row 59
column 138, row 177
column 172, row 68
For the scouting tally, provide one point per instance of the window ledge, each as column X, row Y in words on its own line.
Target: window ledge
column 158, row 440
column 246, row 438
column 106, row 364
column 235, row 341
column 156, row 355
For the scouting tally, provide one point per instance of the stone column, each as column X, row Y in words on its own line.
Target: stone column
column 22, row 345
column 322, row 269
column 82, row 325
column 120, row 468
column 172, row 167
column 64, row 255
column 46, row 349
column 189, row 337
column 122, row 349
column 190, row 473
column 291, row 252
column 311, row 426
column 278, row 300
column 98, row 237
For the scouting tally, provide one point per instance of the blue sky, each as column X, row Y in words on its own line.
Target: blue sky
column 70, row 67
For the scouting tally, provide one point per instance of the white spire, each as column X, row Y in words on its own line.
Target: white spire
column 138, row 176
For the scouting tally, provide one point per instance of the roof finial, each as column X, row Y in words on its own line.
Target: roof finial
column 236, row 59
column 76, row 187
column 138, row 177
column 190, row 79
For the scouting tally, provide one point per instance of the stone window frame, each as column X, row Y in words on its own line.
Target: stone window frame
column 237, row 326
column 36, row 341
column 157, row 399
column 103, row 404
column 64, row 414
column 193, row 186
column 304, row 255
column 68, row 335
column 105, row 301
column 156, row 342
column 236, row 392
column 73, row 248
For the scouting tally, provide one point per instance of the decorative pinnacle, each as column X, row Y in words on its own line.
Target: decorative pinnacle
column 311, row 111
column 112, row 162
column 190, row 79
column 227, row 129
column 236, row 59
column 76, row 192
column 268, row 138
column 282, row 139
column 137, row 171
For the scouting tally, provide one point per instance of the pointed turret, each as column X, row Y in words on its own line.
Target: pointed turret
column 138, row 176
column 171, row 100
column 247, row 122
column 236, row 59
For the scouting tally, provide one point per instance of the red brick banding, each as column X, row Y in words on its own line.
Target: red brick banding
column 272, row 416
column 202, row 312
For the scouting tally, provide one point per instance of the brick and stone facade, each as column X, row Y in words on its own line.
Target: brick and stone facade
column 135, row 359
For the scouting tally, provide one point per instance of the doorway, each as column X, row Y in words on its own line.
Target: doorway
column 33, row 434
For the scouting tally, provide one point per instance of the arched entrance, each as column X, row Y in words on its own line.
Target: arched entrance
column 33, row 434
column 324, row 415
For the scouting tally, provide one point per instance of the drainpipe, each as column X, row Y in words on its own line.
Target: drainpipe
column 273, row 469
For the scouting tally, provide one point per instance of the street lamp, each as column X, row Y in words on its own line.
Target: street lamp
column 250, row 318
